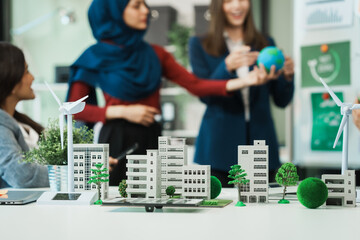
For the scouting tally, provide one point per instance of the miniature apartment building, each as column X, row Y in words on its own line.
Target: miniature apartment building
column 85, row 158
column 173, row 156
column 341, row 189
column 143, row 175
column 254, row 160
column 196, row 181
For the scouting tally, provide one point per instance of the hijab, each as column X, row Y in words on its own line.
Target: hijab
column 121, row 63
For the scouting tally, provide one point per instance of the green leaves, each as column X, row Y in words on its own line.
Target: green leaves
column 122, row 188
column 238, row 174
column 287, row 175
column 49, row 151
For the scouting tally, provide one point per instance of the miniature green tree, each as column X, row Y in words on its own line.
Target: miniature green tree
column 170, row 191
column 239, row 178
column 100, row 176
column 286, row 176
column 122, row 188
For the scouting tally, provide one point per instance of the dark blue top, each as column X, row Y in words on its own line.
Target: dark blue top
column 121, row 63
column 223, row 126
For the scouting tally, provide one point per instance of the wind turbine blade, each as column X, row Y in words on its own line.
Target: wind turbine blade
column 341, row 128
column 61, row 123
column 336, row 99
column 355, row 106
column 54, row 95
column 74, row 104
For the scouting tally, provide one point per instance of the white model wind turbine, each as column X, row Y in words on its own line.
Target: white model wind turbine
column 346, row 110
column 68, row 109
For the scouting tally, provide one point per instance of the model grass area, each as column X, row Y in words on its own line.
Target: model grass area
column 312, row 192
column 219, row 203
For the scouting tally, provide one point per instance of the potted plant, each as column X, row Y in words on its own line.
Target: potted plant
column 50, row 153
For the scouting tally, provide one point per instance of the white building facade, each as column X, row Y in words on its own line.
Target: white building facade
column 173, row 156
column 196, row 181
column 254, row 159
column 341, row 189
column 143, row 175
column 85, row 158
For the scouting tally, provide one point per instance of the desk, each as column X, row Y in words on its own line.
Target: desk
column 255, row 221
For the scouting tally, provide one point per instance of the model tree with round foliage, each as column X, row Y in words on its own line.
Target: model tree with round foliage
column 100, row 176
column 286, row 176
column 122, row 188
column 216, row 187
column 170, row 191
column 239, row 178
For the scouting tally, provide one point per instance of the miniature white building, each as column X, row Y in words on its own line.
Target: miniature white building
column 196, row 181
column 143, row 175
column 254, row 160
column 341, row 188
column 173, row 156
column 149, row 175
column 85, row 158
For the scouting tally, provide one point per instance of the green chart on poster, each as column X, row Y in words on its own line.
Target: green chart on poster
column 331, row 62
column 326, row 122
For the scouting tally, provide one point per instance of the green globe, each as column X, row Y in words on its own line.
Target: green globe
column 215, row 187
column 271, row 56
column 312, row 192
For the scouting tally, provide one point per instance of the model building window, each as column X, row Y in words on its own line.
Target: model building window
column 198, row 180
column 259, row 152
column 194, row 172
column 81, row 179
column 185, row 189
column 81, row 164
column 75, row 179
column 76, row 186
column 203, row 189
column 81, row 172
column 185, row 172
column 189, row 189
column 75, row 171
column 75, row 156
column 151, row 187
column 75, row 164
column 190, row 181
column 190, row 172
column 349, row 191
column 203, row 172
column 244, row 151
column 199, row 190
column 203, row 181
column 194, row 189
column 99, row 157
column 185, row 180
column 81, row 186
column 81, row 157
column 151, row 162
column 151, row 179
column 199, row 172
column 349, row 182
column 93, row 186
column 151, row 171
column 93, row 156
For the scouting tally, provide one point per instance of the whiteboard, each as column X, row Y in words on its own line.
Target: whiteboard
column 303, row 155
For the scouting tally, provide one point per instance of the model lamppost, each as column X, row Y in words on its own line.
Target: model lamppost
column 346, row 110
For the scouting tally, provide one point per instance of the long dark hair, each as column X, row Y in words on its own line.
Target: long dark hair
column 214, row 42
column 12, row 69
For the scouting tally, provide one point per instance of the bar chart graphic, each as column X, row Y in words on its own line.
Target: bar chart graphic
column 328, row 13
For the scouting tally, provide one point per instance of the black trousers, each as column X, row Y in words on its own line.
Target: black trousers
column 121, row 135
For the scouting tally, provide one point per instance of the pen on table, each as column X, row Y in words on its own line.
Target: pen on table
column 128, row 151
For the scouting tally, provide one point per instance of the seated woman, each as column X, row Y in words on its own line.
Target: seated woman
column 128, row 70
column 18, row 132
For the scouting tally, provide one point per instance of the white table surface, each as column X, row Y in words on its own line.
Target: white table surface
column 255, row 221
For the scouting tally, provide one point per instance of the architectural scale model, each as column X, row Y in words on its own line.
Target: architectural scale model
column 149, row 175
column 341, row 189
column 85, row 158
column 254, row 159
column 346, row 110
